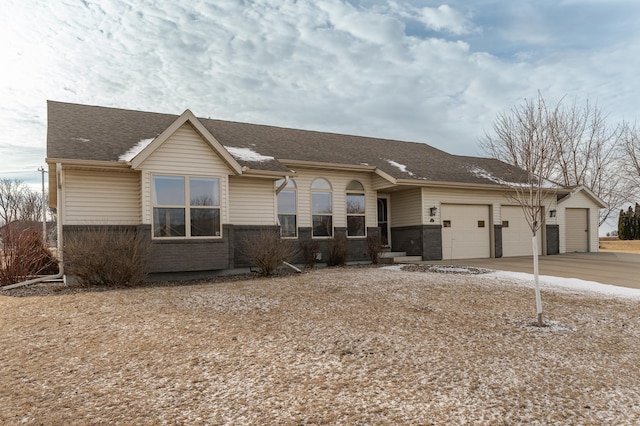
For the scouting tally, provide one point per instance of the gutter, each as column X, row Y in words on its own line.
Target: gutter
column 60, row 274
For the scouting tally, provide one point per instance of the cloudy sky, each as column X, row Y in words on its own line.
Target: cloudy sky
column 428, row 71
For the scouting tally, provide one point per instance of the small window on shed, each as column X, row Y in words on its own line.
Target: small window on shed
column 446, row 223
column 505, row 223
column 481, row 224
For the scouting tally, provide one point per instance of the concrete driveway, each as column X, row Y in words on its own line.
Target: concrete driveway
column 621, row 269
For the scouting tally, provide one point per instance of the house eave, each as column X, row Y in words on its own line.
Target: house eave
column 246, row 171
column 95, row 164
column 327, row 166
column 459, row 185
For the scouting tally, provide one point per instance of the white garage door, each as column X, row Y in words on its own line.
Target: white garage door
column 577, row 230
column 516, row 233
column 465, row 231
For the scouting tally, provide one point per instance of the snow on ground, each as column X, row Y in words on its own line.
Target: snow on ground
column 569, row 283
column 247, row 154
column 526, row 279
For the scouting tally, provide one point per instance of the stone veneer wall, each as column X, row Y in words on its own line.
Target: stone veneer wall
column 418, row 240
column 497, row 238
column 553, row 239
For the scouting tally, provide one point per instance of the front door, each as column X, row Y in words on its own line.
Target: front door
column 383, row 220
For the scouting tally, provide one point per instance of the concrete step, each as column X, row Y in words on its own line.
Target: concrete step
column 393, row 254
column 407, row 259
column 400, row 259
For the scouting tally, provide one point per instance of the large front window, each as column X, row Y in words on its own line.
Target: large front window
column 322, row 208
column 186, row 206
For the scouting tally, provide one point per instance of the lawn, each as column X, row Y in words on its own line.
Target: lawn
column 334, row 346
column 616, row 245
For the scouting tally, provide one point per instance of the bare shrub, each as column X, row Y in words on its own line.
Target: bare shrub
column 337, row 251
column 110, row 257
column 23, row 256
column 267, row 250
column 310, row 251
column 374, row 248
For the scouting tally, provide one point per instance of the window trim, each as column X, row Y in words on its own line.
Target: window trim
column 330, row 215
column 363, row 193
column 186, row 207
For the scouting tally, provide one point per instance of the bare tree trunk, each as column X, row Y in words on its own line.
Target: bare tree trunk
column 536, row 279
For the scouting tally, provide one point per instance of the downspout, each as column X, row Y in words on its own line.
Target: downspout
column 283, row 185
column 60, row 274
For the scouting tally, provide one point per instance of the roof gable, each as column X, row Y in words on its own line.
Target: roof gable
column 207, row 137
column 586, row 192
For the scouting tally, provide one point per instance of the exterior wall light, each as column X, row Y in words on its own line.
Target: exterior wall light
column 552, row 213
column 432, row 211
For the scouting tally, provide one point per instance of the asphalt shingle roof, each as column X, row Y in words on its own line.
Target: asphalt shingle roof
column 86, row 132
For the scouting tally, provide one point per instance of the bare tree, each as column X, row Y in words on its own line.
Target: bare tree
column 588, row 153
column 11, row 195
column 19, row 202
column 631, row 149
column 31, row 206
column 525, row 137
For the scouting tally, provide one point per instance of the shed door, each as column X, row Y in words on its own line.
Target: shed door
column 465, row 231
column 516, row 233
column 577, row 230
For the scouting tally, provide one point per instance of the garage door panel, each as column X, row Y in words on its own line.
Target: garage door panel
column 465, row 231
column 516, row 233
column 577, row 230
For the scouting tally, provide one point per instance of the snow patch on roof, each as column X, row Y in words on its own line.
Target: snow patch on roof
column 482, row 173
column 81, row 139
column 135, row 150
column 247, row 154
column 400, row 167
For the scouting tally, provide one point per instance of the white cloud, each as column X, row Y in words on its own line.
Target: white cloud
column 354, row 67
column 445, row 18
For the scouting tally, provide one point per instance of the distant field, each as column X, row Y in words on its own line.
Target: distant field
column 614, row 244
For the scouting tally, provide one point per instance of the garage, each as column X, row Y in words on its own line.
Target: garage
column 465, row 231
column 516, row 233
column 577, row 230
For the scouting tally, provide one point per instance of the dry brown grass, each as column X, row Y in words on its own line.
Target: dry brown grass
column 616, row 245
column 334, row 346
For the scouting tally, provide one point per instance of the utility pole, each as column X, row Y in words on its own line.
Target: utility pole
column 44, row 210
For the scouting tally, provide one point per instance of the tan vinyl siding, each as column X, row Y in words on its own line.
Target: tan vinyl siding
column 252, row 201
column 339, row 181
column 101, row 197
column 406, row 208
column 184, row 153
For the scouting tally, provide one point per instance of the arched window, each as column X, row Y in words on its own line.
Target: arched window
column 355, row 209
column 321, row 208
column 287, row 208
